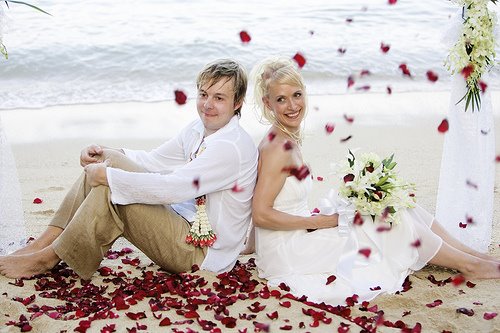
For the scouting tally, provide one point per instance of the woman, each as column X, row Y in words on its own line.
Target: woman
column 305, row 251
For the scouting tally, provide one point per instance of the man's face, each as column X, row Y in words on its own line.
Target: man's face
column 215, row 104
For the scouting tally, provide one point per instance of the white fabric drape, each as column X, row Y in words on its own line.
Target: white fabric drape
column 12, row 230
column 467, row 177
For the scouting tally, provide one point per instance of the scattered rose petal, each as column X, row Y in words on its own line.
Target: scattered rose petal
column 196, row 183
column 256, row 307
column 405, row 313
column 467, row 71
column 346, row 138
column 497, row 159
column 329, row 127
column 348, row 119
column 392, row 2
column 330, row 279
column 470, row 284
column 37, row 201
column 384, row 47
column 165, row 322
column 437, row 302
column 465, row 311
column 483, row 86
column 431, row 76
column 364, row 72
column 462, row 225
column 319, row 179
column 315, row 210
column 271, row 136
column 375, row 288
column 299, row 59
column 341, row 50
column 489, row 315
column 348, row 178
column 363, row 88
column 471, row 184
column 288, row 145
column 261, row 327
column 417, row 243
column 458, row 280
column 237, row 189
column 286, row 328
column 286, row 304
column 444, row 126
column 365, row 252
column 348, row 20
column 245, row 37
column 389, row 90
column 358, row 218
column 300, row 173
column 405, row 70
column 136, row 316
column 273, row 315
column 350, row 81
column 180, row 97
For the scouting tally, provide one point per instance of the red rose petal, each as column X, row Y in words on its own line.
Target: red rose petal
column 273, row 315
column 261, row 327
column 465, row 311
column 467, row 71
column 365, row 252
column 384, row 228
column 348, row 20
column 444, row 126
column 384, row 47
column 350, row 81
column 462, row 225
column 286, row 304
column 286, row 328
column 348, row 119
column 364, row 72
column 405, row 70
column 348, row 178
column 329, row 127
column 196, row 183
column 236, row 188
column 437, row 302
column 375, row 288
column 497, row 159
column 458, row 280
column 417, row 243
column 330, row 279
column 358, row 218
column 315, row 210
column 431, row 76
column 180, row 97
column 392, row 2
column 363, row 88
column 288, row 145
column 256, row 307
column 136, row 316
column 165, row 322
column 489, row 315
column 299, row 59
column 37, row 201
column 245, row 37
column 341, row 50
column 483, row 86
column 389, row 90
column 271, row 136
column 405, row 313
column 319, row 179
column 470, row 284
column 300, row 173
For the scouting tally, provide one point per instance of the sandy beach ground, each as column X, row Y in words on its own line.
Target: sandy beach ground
column 47, row 142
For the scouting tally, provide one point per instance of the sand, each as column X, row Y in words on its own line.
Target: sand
column 47, row 142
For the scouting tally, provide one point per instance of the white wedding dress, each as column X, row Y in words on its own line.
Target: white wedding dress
column 304, row 260
column 12, row 230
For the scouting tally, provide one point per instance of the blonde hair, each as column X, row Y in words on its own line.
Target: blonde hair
column 279, row 70
column 226, row 69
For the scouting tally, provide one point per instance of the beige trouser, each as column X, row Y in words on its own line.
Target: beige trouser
column 92, row 223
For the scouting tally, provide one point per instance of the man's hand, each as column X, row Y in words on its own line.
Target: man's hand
column 91, row 154
column 96, row 173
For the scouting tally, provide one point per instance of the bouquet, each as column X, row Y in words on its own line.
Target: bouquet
column 374, row 188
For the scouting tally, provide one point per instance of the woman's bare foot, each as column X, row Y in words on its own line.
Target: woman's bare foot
column 45, row 239
column 482, row 269
column 26, row 265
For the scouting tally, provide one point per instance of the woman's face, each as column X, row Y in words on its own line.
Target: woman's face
column 288, row 104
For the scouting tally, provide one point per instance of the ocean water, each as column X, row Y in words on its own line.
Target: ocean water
column 116, row 51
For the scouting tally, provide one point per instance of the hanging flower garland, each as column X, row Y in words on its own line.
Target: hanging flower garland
column 201, row 233
column 474, row 52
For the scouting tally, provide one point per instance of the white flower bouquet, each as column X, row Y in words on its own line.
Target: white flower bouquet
column 372, row 185
column 474, row 51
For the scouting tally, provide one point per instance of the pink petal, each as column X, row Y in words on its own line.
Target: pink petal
column 431, row 76
column 384, row 47
column 37, row 201
column 483, row 86
column 365, row 252
column 329, row 127
column 489, row 315
column 444, row 126
column 180, row 97
column 245, row 37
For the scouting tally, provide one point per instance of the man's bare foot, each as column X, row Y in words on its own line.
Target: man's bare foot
column 483, row 269
column 45, row 239
column 26, row 265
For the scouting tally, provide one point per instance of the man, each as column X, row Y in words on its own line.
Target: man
column 149, row 197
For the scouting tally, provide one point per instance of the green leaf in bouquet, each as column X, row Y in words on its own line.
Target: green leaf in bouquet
column 351, row 161
column 388, row 162
column 382, row 181
column 3, row 50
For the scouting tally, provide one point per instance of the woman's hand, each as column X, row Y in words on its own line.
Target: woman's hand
column 91, row 154
column 96, row 173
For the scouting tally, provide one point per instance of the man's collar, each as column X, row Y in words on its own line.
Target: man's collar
column 200, row 129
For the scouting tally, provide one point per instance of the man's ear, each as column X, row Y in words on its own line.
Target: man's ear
column 237, row 105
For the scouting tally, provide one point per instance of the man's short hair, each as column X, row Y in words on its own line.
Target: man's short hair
column 225, row 69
